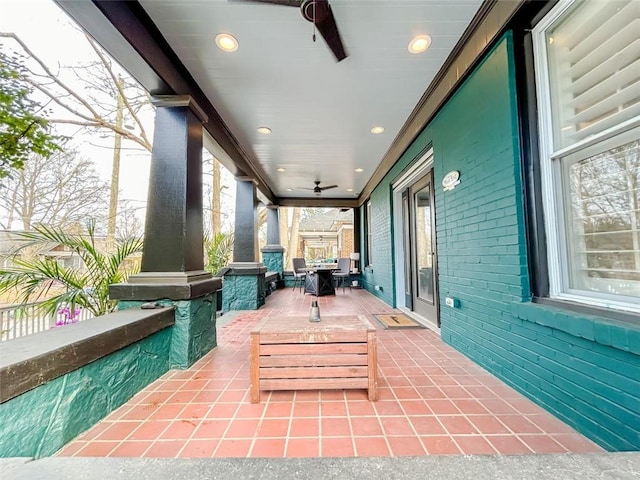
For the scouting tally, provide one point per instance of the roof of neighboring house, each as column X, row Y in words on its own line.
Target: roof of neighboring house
column 10, row 240
column 326, row 222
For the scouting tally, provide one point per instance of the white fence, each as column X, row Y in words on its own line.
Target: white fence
column 20, row 320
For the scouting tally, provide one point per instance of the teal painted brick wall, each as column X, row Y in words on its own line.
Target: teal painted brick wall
column 584, row 370
column 194, row 332
column 41, row 421
column 381, row 271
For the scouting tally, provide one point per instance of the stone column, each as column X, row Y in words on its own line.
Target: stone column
column 245, row 236
column 273, row 252
column 244, row 283
column 172, row 270
column 273, row 226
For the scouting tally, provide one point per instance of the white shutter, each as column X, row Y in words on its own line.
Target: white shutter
column 594, row 68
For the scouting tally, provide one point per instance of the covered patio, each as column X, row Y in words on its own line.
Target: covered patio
column 479, row 270
column 433, row 401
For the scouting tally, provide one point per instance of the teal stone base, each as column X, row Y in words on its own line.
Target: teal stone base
column 243, row 292
column 274, row 261
column 288, row 279
column 194, row 333
column 41, row 421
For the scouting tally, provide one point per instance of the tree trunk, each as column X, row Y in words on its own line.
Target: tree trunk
column 12, row 207
column 293, row 237
column 216, row 224
column 115, row 171
column 283, row 227
column 28, row 204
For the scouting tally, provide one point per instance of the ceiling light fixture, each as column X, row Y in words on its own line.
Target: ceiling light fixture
column 226, row 42
column 264, row 130
column 281, row 169
column 377, row 130
column 289, row 189
column 349, row 189
column 359, row 170
column 419, row 44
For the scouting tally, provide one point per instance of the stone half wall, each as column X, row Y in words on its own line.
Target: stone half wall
column 42, row 420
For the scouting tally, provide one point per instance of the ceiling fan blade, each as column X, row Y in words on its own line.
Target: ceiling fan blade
column 329, row 31
column 328, row 187
column 304, row 188
column 284, row 3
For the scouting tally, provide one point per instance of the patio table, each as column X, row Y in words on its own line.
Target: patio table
column 291, row 353
column 319, row 281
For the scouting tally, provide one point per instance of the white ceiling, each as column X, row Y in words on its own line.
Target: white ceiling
column 320, row 111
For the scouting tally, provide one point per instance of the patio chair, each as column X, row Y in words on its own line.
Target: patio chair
column 299, row 273
column 342, row 272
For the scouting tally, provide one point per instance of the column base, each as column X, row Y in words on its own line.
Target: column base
column 273, row 259
column 193, row 294
column 150, row 286
column 244, row 286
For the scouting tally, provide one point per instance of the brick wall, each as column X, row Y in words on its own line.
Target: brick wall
column 380, row 271
column 589, row 380
column 346, row 242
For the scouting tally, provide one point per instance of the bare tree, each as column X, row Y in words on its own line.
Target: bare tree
column 95, row 106
column 293, row 235
column 129, row 224
column 107, row 100
column 283, row 227
column 58, row 191
column 605, row 201
column 213, row 194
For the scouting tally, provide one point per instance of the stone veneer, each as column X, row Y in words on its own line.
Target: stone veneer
column 194, row 333
column 57, row 384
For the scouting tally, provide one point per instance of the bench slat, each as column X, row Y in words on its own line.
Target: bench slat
column 313, row 383
column 313, row 372
column 313, row 360
column 306, row 336
column 331, row 348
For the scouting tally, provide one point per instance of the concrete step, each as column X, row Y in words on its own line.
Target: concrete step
column 605, row 466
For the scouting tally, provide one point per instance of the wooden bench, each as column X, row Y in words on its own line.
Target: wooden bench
column 291, row 353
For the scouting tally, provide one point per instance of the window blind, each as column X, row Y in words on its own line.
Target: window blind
column 594, row 69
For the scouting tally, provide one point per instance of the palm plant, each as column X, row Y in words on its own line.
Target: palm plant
column 51, row 285
column 218, row 251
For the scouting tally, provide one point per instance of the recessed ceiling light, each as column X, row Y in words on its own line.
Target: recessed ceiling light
column 349, row 189
column 377, row 130
column 289, row 189
column 359, row 170
column 281, row 169
column 419, row 44
column 226, row 42
column 264, row 130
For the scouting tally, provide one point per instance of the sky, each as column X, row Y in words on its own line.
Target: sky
column 48, row 33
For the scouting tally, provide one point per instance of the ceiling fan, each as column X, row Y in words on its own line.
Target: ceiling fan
column 318, row 189
column 319, row 13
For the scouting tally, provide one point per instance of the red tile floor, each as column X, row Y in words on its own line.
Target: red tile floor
column 433, row 401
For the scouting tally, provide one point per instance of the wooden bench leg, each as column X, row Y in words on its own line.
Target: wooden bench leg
column 372, row 364
column 254, row 367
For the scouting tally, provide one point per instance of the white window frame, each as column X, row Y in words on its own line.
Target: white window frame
column 558, row 265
